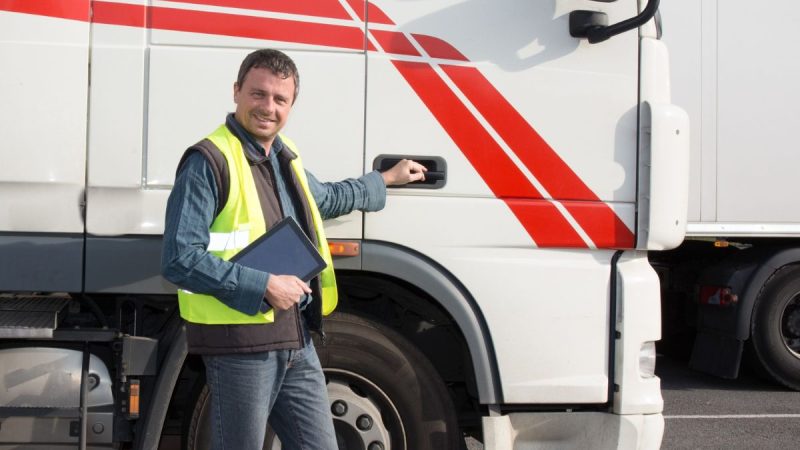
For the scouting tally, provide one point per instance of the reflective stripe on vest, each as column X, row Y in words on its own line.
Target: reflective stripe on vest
column 240, row 222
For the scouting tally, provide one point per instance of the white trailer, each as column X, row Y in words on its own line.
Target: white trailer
column 735, row 71
column 518, row 306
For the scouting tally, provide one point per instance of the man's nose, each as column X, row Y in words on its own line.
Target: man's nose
column 267, row 104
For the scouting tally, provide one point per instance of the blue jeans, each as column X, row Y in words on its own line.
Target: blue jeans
column 286, row 387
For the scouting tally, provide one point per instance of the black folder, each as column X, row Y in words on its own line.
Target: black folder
column 283, row 250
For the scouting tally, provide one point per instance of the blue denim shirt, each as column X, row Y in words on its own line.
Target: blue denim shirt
column 191, row 210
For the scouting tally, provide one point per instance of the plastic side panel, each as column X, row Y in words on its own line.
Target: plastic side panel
column 663, row 176
column 43, row 87
column 125, row 265
column 130, row 265
column 124, row 211
column 638, row 321
column 546, row 309
column 663, row 155
column 326, row 123
column 117, row 107
column 686, row 33
column 116, row 203
column 41, row 262
column 573, row 430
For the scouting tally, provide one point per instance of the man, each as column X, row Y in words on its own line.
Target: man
column 251, row 327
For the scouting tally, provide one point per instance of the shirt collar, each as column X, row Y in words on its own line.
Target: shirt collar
column 253, row 150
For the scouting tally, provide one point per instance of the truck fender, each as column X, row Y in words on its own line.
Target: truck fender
column 421, row 271
column 148, row 434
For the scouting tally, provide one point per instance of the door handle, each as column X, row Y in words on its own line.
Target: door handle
column 435, row 177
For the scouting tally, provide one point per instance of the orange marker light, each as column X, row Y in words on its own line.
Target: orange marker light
column 133, row 399
column 344, row 248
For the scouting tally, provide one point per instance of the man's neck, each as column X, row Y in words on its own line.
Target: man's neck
column 266, row 145
column 258, row 145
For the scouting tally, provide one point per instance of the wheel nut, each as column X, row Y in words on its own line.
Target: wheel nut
column 364, row 422
column 375, row 446
column 339, row 408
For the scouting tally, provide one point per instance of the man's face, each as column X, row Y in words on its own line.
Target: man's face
column 263, row 103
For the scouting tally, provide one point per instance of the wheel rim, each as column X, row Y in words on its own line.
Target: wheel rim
column 363, row 415
column 790, row 326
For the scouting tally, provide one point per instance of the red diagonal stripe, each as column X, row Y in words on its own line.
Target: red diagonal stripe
column 318, row 8
column 394, row 42
column 360, row 8
column 257, row 28
column 63, row 9
column 602, row 225
column 375, row 15
column 559, row 179
column 113, row 13
column 541, row 219
column 437, row 48
column 119, row 14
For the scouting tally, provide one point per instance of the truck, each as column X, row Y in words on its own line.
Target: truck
column 731, row 291
column 509, row 298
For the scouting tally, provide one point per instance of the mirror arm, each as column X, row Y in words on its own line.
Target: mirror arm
column 597, row 34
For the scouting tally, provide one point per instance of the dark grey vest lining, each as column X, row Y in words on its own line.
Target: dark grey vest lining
column 218, row 166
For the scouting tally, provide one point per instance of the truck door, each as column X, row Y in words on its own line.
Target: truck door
column 534, row 134
column 163, row 79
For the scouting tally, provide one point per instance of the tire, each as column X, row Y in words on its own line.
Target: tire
column 775, row 327
column 197, row 430
column 384, row 393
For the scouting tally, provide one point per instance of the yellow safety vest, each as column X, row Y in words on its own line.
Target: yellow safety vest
column 241, row 222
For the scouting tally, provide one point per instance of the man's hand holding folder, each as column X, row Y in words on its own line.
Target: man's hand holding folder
column 284, row 291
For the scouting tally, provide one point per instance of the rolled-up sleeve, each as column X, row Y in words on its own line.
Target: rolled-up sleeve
column 186, row 262
column 366, row 193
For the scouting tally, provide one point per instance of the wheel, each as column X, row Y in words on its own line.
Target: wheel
column 371, row 366
column 384, row 394
column 775, row 327
column 197, row 431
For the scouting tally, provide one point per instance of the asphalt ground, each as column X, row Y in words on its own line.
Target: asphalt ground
column 701, row 411
column 705, row 412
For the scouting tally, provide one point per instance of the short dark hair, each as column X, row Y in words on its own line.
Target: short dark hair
column 274, row 60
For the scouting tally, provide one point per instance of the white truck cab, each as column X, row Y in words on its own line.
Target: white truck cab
column 509, row 297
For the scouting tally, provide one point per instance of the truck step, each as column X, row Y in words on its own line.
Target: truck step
column 30, row 317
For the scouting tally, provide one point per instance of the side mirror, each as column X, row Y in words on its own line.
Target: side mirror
column 593, row 24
